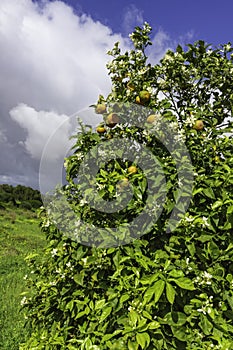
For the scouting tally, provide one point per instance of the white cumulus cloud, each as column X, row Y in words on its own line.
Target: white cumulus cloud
column 40, row 126
column 52, row 57
column 52, row 64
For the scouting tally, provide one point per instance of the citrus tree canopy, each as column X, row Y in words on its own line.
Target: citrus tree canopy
column 164, row 151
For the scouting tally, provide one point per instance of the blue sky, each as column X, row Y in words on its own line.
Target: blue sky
column 209, row 20
column 53, row 65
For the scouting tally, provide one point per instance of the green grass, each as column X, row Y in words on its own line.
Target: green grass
column 19, row 235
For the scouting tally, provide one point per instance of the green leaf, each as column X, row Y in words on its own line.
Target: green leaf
column 78, row 278
column 133, row 315
column 170, row 293
column 81, row 314
column 217, row 204
column 230, row 209
column 148, row 295
column 183, row 282
column 175, row 318
column 176, row 273
column 70, row 305
column 205, row 324
column 132, row 345
column 208, row 192
column 229, row 300
column 227, row 226
column 109, row 336
column 116, row 259
column 155, row 290
column 154, row 325
column 159, row 287
column 230, row 247
column 213, row 250
column 146, row 314
column 88, row 344
column 204, row 238
column 106, row 312
column 99, row 304
column 179, row 49
column 179, row 333
column 191, row 248
column 149, row 279
column 124, row 297
column 198, row 190
column 143, row 339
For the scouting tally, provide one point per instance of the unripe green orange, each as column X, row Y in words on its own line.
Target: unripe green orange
column 144, row 96
column 101, row 129
column 132, row 169
column 151, row 118
column 112, row 120
column 199, row 125
column 101, row 108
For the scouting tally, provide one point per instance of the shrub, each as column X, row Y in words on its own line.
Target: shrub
column 35, row 203
column 172, row 287
column 25, row 205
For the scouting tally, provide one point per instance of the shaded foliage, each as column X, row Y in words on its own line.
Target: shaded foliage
column 20, row 196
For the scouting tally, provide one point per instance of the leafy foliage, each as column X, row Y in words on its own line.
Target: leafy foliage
column 164, row 290
column 20, row 196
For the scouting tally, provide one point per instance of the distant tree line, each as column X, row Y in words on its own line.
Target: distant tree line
column 20, row 196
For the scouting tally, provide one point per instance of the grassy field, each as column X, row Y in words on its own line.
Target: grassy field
column 19, row 235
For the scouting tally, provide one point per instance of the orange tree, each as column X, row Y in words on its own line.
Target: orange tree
column 163, row 153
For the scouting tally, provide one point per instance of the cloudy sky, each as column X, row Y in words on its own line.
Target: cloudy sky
column 52, row 65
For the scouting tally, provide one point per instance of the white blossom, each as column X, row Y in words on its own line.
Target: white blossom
column 79, row 155
column 228, row 47
column 84, row 261
column 47, row 223
column 54, row 252
column 23, row 301
column 188, row 218
column 69, row 265
column 205, row 278
column 53, row 283
column 173, row 125
column 180, row 183
column 207, row 306
column 205, row 221
column 82, row 202
column 190, row 121
column 180, row 135
column 202, row 310
column 168, row 58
